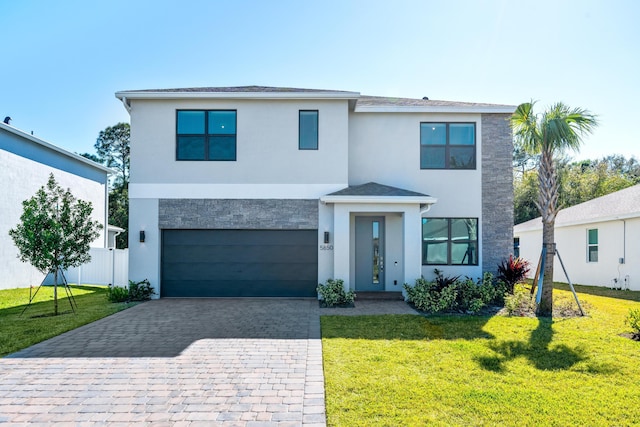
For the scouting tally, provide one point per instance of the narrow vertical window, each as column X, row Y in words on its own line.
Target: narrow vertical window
column 516, row 247
column 592, row 245
column 308, row 130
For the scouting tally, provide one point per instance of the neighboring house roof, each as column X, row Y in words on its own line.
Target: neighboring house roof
column 372, row 192
column 360, row 103
column 622, row 204
column 55, row 148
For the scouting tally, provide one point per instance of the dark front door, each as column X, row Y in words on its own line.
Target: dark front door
column 369, row 253
column 239, row 263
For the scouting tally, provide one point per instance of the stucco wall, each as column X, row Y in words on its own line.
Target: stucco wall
column 385, row 148
column 21, row 178
column 616, row 239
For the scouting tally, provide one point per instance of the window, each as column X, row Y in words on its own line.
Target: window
column 449, row 241
column 592, row 245
column 447, row 146
column 516, row 247
column 206, row 135
column 308, row 130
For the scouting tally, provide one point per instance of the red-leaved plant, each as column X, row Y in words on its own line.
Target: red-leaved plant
column 512, row 271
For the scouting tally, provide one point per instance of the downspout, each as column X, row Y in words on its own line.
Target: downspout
column 126, row 104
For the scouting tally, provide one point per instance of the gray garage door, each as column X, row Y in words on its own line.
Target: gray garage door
column 239, row 263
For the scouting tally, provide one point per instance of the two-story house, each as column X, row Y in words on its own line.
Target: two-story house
column 266, row 191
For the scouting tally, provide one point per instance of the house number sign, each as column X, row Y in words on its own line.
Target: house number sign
column 326, row 247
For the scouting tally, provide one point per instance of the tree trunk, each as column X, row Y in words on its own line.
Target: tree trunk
column 547, row 204
column 55, row 292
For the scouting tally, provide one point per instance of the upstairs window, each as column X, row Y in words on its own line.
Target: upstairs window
column 592, row 245
column 447, row 146
column 206, row 135
column 308, row 130
column 449, row 241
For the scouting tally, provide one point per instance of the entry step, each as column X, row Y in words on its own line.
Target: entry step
column 386, row 296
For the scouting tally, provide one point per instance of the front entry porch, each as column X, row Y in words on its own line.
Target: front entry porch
column 377, row 243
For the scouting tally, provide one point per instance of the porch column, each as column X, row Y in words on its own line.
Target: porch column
column 341, row 244
column 412, row 244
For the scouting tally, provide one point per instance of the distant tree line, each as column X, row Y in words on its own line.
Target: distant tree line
column 112, row 150
column 578, row 181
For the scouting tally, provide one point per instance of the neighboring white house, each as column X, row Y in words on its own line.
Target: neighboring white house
column 263, row 191
column 25, row 164
column 598, row 240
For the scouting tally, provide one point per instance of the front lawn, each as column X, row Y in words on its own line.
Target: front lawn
column 405, row 370
column 37, row 323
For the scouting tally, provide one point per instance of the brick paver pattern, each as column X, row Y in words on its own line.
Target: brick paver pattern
column 175, row 362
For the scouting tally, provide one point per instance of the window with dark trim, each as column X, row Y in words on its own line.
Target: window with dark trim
column 592, row 245
column 516, row 247
column 308, row 130
column 447, row 145
column 206, row 135
column 449, row 241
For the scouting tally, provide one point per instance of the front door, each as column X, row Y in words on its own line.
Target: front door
column 369, row 253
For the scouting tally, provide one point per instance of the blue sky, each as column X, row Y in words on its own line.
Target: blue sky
column 63, row 61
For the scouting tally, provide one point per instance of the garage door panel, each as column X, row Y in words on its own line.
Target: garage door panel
column 228, row 263
column 231, row 253
column 238, row 271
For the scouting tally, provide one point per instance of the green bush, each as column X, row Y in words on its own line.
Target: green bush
column 117, row 294
column 633, row 320
column 140, row 291
column 333, row 293
column 450, row 294
column 520, row 303
column 137, row 291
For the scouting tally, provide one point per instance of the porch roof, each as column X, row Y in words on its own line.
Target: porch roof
column 372, row 192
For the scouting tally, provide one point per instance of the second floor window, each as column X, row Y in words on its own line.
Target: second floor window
column 206, row 135
column 447, row 146
column 308, row 130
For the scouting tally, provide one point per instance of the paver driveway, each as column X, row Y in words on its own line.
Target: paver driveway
column 175, row 362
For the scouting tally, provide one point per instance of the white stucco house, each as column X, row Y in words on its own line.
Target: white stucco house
column 598, row 240
column 267, row 191
column 25, row 164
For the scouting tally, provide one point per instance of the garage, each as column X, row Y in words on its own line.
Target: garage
column 239, row 263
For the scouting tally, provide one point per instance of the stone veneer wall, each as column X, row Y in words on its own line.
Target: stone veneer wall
column 497, row 190
column 256, row 214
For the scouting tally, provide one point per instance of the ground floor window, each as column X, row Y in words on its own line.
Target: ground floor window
column 516, row 247
column 592, row 245
column 449, row 241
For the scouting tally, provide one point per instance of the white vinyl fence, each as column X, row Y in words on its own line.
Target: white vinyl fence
column 107, row 267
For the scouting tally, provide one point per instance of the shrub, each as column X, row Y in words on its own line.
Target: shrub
column 333, row 293
column 520, row 303
column 140, row 291
column 512, row 271
column 633, row 320
column 117, row 294
column 450, row 294
column 137, row 291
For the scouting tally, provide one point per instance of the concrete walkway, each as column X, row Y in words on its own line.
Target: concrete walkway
column 179, row 362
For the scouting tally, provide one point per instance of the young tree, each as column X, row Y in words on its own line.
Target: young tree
column 112, row 147
column 55, row 231
column 549, row 134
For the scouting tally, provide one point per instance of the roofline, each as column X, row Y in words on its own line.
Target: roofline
column 236, row 95
column 427, row 200
column 622, row 217
column 53, row 147
column 507, row 109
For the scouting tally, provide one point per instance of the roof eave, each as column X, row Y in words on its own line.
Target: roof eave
column 236, row 95
column 499, row 109
column 53, row 147
column 621, row 217
column 423, row 200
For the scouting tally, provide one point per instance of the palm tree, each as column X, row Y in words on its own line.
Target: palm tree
column 549, row 134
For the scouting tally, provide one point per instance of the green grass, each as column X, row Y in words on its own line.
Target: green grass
column 409, row 370
column 38, row 323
